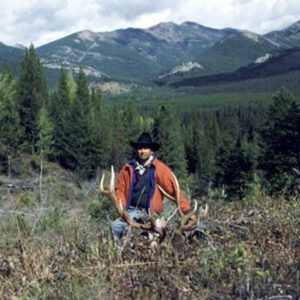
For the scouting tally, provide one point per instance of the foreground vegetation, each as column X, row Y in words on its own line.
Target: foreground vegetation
column 56, row 244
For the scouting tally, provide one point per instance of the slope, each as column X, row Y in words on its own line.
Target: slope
column 285, row 62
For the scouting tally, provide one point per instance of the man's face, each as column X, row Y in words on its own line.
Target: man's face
column 144, row 153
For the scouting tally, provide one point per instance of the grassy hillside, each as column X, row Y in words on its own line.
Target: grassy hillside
column 235, row 51
column 100, row 59
column 56, row 244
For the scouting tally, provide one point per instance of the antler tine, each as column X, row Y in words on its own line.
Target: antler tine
column 184, row 224
column 111, row 192
column 166, row 194
column 177, row 198
column 112, row 179
column 112, row 183
column 101, row 187
column 177, row 195
column 205, row 212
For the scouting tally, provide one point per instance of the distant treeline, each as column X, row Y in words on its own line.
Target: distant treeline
column 238, row 149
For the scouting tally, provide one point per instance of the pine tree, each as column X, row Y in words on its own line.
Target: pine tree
column 78, row 147
column 223, row 154
column 280, row 142
column 101, row 130
column 59, row 109
column 118, row 141
column 237, row 165
column 167, row 133
column 71, row 86
column 45, row 139
column 203, row 149
column 132, row 125
column 32, row 94
column 10, row 130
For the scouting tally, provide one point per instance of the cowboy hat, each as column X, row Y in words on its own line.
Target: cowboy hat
column 146, row 141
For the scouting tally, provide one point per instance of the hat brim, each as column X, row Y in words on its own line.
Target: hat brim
column 152, row 146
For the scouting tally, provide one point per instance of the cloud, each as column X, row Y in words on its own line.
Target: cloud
column 26, row 21
column 130, row 10
column 41, row 21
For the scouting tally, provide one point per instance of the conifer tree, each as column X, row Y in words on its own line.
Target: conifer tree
column 45, row 134
column 280, row 142
column 237, row 166
column 223, row 154
column 167, row 133
column 32, row 94
column 10, row 130
column 44, row 141
column 132, row 125
column 71, row 86
column 101, row 130
column 59, row 111
column 202, row 149
column 118, row 142
column 78, row 146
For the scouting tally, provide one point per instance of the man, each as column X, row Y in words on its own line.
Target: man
column 137, row 189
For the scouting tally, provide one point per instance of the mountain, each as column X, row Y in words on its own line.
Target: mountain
column 227, row 55
column 100, row 58
column 289, row 37
column 130, row 54
column 280, row 63
column 168, row 52
column 187, row 40
column 236, row 50
column 10, row 55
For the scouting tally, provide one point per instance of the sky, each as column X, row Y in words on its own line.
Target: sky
column 42, row 21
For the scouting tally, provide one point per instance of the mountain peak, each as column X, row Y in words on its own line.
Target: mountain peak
column 167, row 31
column 294, row 28
column 194, row 25
column 288, row 37
column 250, row 35
column 189, row 23
column 86, row 35
column 295, row 24
column 20, row 46
column 163, row 25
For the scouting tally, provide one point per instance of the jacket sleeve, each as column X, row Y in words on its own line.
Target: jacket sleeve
column 122, row 187
column 166, row 180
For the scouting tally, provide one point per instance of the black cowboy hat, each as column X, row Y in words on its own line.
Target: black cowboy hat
column 146, row 141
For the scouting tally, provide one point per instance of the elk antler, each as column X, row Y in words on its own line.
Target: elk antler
column 186, row 223
column 111, row 192
column 151, row 223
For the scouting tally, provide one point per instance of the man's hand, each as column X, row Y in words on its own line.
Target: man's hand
column 125, row 216
column 133, row 224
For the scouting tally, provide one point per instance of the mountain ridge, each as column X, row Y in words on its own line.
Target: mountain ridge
column 285, row 62
column 137, row 55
